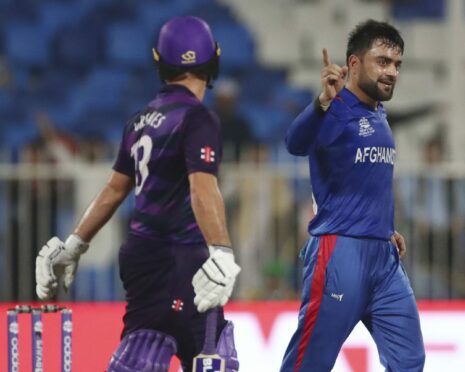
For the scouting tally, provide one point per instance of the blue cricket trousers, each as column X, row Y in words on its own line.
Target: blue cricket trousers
column 347, row 280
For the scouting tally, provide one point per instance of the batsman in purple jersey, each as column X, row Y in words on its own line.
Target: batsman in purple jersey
column 352, row 268
column 177, row 261
column 173, row 137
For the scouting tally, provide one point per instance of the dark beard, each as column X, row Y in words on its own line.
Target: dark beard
column 371, row 89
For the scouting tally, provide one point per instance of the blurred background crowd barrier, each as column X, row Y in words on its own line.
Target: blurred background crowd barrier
column 72, row 72
column 268, row 209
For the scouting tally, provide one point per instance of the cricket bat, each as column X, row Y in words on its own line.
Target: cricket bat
column 208, row 360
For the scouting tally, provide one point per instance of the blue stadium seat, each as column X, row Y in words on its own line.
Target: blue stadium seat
column 6, row 101
column 258, row 83
column 54, row 16
column 267, row 123
column 142, row 87
column 78, row 48
column 15, row 11
column 213, row 13
column 414, row 9
column 101, row 87
column 237, row 46
column 26, row 44
column 63, row 116
column 97, row 284
column 41, row 87
column 106, row 124
column 55, row 85
column 19, row 134
column 291, row 99
column 11, row 110
column 108, row 12
column 127, row 44
column 102, row 90
column 151, row 17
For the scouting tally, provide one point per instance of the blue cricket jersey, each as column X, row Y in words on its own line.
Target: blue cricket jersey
column 351, row 156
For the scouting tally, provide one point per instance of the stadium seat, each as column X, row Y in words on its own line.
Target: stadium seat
column 20, row 133
column 407, row 10
column 267, row 123
column 213, row 13
column 54, row 16
column 230, row 36
column 258, row 83
column 6, row 101
column 151, row 17
column 127, row 44
column 107, row 13
column 291, row 99
column 62, row 116
column 143, row 84
column 15, row 11
column 96, row 284
column 26, row 44
column 102, row 89
column 106, row 124
column 40, row 87
column 10, row 111
column 78, row 48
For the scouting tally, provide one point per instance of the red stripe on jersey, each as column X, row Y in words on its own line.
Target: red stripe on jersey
column 325, row 250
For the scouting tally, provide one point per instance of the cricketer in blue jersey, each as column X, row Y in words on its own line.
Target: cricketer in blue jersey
column 177, row 260
column 352, row 268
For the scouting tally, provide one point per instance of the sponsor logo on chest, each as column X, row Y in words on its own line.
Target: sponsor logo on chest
column 365, row 128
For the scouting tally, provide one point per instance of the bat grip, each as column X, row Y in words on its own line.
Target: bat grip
column 209, row 346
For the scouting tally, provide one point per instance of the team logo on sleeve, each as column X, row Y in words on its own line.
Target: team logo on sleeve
column 365, row 128
column 207, row 154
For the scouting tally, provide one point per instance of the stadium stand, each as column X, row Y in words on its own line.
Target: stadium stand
column 88, row 65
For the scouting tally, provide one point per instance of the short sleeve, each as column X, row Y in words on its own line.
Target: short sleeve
column 124, row 162
column 202, row 141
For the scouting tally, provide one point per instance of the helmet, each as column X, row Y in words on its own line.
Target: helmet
column 186, row 44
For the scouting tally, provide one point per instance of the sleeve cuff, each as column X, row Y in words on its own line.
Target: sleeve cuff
column 317, row 107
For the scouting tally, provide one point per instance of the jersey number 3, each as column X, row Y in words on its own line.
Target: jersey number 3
column 141, row 152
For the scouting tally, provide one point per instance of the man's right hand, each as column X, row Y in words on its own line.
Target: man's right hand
column 56, row 260
column 332, row 79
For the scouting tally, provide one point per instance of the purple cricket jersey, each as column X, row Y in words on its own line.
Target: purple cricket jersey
column 175, row 135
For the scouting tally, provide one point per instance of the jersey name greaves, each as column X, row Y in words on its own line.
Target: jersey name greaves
column 152, row 119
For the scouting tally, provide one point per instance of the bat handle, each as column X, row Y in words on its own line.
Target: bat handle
column 209, row 346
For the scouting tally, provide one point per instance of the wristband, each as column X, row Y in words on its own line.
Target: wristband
column 319, row 108
column 223, row 248
column 75, row 243
column 325, row 107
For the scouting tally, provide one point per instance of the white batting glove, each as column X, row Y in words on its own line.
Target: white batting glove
column 57, row 260
column 214, row 281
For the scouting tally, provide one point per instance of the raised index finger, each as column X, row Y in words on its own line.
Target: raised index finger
column 326, row 57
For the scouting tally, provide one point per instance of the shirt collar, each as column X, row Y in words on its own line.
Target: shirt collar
column 171, row 88
column 352, row 100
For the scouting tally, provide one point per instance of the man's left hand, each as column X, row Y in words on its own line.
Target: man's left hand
column 214, row 281
column 399, row 241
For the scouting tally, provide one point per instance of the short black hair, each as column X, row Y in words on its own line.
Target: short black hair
column 364, row 34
